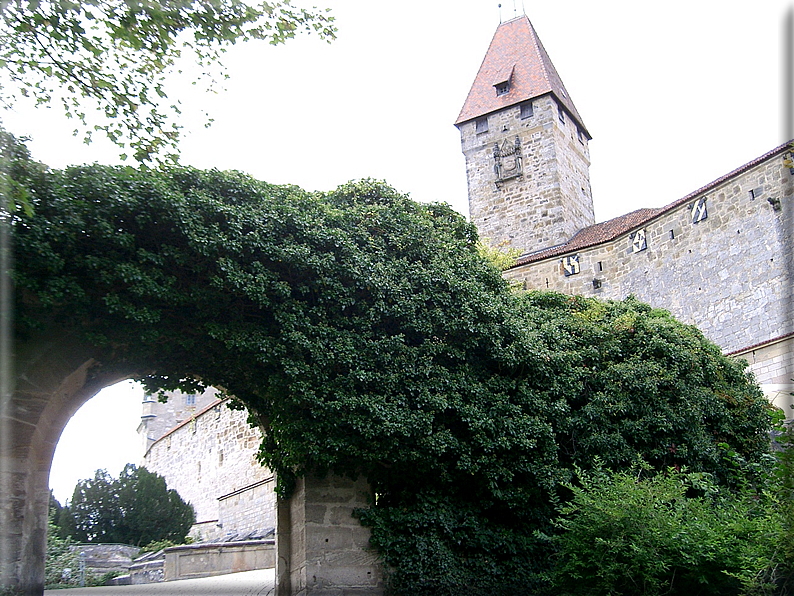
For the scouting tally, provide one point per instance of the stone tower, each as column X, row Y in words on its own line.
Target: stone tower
column 527, row 160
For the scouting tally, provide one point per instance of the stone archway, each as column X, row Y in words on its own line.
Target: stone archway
column 322, row 548
column 54, row 376
column 311, row 309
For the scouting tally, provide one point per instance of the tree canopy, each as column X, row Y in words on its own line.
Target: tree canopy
column 136, row 508
column 107, row 61
column 368, row 335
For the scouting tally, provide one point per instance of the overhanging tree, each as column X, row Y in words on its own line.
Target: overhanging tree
column 367, row 335
column 107, row 61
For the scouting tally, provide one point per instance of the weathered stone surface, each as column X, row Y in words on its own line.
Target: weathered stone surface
column 55, row 375
column 331, row 556
column 552, row 200
column 210, row 460
column 205, row 560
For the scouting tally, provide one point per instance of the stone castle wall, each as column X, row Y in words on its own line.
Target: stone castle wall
column 551, row 200
column 158, row 418
column 773, row 366
column 210, row 460
column 730, row 274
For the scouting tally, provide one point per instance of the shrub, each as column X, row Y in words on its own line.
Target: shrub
column 62, row 563
column 643, row 533
column 588, row 381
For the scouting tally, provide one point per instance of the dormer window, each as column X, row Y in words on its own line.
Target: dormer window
column 501, row 82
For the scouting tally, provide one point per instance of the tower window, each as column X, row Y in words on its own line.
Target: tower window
column 561, row 114
column 580, row 135
column 502, row 88
column 526, row 110
column 481, row 124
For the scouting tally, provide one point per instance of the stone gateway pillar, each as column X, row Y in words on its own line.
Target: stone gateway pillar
column 322, row 550
column 54, row 376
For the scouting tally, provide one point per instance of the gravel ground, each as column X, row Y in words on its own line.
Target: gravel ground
column 245, row 583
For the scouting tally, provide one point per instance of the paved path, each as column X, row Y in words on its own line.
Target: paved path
column 245, row 583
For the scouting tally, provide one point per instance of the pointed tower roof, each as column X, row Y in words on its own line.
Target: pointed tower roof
column 516, row 57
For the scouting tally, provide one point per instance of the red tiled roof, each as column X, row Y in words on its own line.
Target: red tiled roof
column 515, row 53
column 614, row 228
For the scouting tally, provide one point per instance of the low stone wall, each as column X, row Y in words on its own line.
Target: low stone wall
column 149, row 569
column 104, row 558
column 204, row 560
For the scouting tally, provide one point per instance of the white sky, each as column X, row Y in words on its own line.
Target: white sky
column 675, row 95
column 101, row 435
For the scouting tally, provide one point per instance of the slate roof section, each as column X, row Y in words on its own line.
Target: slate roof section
column 515, row 48
column 614, row 228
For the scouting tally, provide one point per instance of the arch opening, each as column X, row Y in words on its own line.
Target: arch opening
column 102, row 434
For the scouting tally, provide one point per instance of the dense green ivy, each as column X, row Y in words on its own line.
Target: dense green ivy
column 368, row 335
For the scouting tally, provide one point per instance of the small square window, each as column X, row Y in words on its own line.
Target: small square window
column 527, row 110
column 502, row 88
column 481, row 124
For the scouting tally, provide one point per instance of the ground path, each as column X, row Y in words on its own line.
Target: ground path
column 245, row 583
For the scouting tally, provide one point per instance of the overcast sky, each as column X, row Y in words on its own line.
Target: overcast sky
column 675, row 95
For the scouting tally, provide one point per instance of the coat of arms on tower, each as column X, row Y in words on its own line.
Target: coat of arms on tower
column 507, row 160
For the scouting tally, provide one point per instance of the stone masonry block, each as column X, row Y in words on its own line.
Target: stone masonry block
column 315, row 513
column 331, row 576
column 361, row 536
column 320, row 539
column 342, row 516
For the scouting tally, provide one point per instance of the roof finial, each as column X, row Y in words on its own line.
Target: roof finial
column 500, row 13
column 515, row 10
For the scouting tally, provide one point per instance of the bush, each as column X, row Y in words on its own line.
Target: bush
column 643, row 533
column 62, row 563
column 609, row 382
